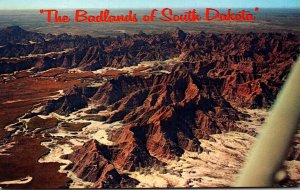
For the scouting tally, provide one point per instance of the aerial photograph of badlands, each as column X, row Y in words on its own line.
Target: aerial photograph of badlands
column 139, row 105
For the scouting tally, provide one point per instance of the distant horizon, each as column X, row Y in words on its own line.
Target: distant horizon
column 139, row 4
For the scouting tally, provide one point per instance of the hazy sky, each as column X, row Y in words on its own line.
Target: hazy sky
column 39, row 4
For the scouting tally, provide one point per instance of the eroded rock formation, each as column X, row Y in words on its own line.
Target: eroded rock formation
column 168, row 108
